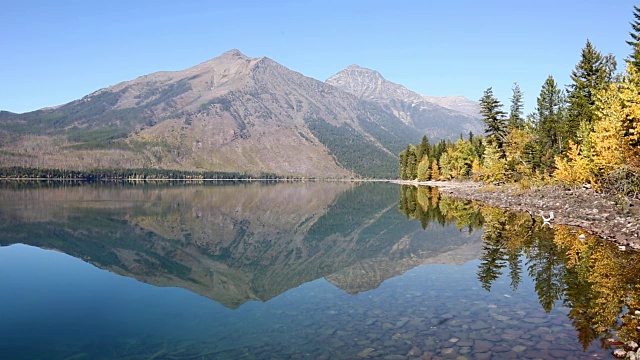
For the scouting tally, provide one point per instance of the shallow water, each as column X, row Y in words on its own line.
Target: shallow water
column 315, row 270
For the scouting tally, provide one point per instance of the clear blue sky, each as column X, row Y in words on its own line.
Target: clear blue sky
column 56, row 51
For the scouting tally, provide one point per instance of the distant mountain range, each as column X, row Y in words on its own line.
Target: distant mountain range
column 240, row 114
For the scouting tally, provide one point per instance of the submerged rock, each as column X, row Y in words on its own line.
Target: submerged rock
column 619, row 353
column 631, row 346
column 415, row 352
column 364, row 353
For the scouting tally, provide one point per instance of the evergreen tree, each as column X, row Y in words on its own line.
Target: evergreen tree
column 412, row 163
column 423, row 148
column 591, row 74
column 549, row 116
column 493, row 117
column 403, row 157
column 516, row 121
column 630, row 91
column 438, row 149
column 634, row 58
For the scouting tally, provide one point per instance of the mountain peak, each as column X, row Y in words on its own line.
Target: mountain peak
column 233, row 53
column 414, row 110
column 358, row 67
column 358, row 70
column 369, row 84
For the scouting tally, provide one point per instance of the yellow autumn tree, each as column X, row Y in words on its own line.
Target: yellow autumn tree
column 445, row 165
column 476, row 170
column 574, row 168
column 517, row 140
column 423, row 197
column 424, row 169
column 630, row 96
column 435, row 170
column 608, row 141
column 494, row 165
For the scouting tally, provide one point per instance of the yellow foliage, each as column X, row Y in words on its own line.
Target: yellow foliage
column 517, row 140
column 476, row 170
column 424, row 170
column 608, row 141
column 423, row 197
column 435, row 170
column 494, row 166
column 630, row 95
column 575, row 169
column 435, row 196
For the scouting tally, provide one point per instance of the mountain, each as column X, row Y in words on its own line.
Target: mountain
column 232, row 113
column 457, row 103
column 432, row 118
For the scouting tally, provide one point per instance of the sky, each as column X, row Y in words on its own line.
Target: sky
column 54, row 52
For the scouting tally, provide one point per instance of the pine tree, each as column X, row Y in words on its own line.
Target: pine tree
column 412, row 163
column 634, row 58
column 423, row 148
column 591, row 74
column 493, row 117
column 550, row 125
column 516, row 121
column 403, row 158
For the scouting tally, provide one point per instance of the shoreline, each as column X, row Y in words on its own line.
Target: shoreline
column 615, row 220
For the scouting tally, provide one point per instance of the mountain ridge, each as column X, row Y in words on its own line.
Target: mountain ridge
column 458, row 103
column 429, row 117
column 232, row 113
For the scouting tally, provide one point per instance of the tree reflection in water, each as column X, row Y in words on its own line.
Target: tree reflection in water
column 594, row 279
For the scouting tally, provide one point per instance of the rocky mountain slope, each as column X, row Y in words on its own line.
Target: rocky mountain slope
column 432, row 116
column 232, row 113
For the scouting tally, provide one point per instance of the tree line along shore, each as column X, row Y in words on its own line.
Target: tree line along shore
column 585, row 133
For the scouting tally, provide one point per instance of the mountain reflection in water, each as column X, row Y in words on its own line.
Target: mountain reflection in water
column 248, row 242
column 233, row 243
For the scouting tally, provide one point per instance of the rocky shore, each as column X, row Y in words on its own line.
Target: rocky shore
column 614, row 219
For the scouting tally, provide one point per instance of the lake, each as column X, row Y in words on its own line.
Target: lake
column 332, row 270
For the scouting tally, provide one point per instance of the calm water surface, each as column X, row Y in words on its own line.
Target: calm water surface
column 288, row 271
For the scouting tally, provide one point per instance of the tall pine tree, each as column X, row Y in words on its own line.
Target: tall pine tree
column 423, row 148
column 634, row 58
column 516, row 121
column 494, row 118
column 550, row 118
column 592, row 74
